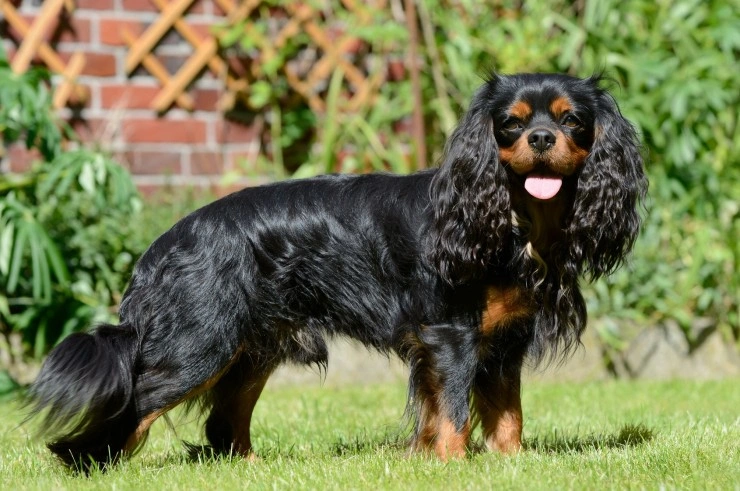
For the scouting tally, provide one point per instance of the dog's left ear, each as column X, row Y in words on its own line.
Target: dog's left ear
column 606, row 216
column 470, row 198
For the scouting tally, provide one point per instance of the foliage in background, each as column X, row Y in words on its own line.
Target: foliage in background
column 68, row 234
column 675, row 64
column 297, row 142
column 67, row 241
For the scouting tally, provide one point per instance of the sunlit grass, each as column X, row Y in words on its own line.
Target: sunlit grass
column 612, row 435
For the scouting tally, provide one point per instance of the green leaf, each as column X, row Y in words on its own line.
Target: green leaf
column 6, row 247
column 260, row 94
column 87, row 178
column 17, row 259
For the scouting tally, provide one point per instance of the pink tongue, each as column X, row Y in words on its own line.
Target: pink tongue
column 543, row 187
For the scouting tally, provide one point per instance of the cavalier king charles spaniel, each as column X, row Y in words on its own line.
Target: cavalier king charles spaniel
column 465, row 272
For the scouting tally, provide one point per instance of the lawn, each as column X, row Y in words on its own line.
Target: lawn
column 612, row 435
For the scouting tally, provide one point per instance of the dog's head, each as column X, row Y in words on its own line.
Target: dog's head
column 551, row 142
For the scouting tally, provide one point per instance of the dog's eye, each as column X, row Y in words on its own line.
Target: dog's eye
column 512, row 125
column 571, row 121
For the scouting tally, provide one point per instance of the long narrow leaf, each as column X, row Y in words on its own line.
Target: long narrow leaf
column 17, row 260
column 44, row 272
column 56, row 261
column 37, row 281
column 6, row 246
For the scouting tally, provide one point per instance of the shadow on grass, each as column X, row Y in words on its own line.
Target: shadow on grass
column 343, row 446
column 363, row 444
column 628, row 436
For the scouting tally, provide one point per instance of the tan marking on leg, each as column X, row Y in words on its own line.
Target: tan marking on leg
column 142, row 429
column 428, row 424
column 451, row 443
column 501, row 417
column 136, row 438
column 241, row 410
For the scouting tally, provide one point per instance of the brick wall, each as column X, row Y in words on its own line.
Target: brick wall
column 179, row 147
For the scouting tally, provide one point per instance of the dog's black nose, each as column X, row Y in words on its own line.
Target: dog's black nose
column 541, row 140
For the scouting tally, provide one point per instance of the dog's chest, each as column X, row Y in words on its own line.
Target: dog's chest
column 504, row 305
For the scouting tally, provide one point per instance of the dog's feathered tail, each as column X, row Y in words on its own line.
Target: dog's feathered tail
column 85, row 389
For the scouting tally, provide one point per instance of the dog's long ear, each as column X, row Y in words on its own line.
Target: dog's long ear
column 470, row 198
column 606, row 215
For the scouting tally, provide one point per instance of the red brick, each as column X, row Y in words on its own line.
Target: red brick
column 111, row 30
column 163, row 131
column 206, row 99
column 145, row 5
column 94, row 4
column 204, row 30
column 127, row 96
column 96, row 64
column 76, row 30
column 91, row 129
column 232, row 132
column 149, row 6
column 206, row 163
column 154, row 163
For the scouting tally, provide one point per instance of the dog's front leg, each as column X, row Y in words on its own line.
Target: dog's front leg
column 442, row 378
column 497, row 400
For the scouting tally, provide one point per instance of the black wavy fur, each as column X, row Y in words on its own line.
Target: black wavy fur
column 457, row 270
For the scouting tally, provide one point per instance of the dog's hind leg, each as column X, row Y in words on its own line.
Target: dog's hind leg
column 148, row 417
column 234, row 398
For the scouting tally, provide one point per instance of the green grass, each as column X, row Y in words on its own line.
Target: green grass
column 616, row 435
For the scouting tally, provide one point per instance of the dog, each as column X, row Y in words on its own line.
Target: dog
column 465, row 271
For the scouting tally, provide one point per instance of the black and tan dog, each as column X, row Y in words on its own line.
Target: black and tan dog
column 464, row 272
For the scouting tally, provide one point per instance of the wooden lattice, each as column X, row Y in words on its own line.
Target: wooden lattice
column 302, row 18
column 34, row 45
column 334, row 51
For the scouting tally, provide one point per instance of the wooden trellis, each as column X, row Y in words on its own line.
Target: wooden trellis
column 303, row 18
column 331, row 47
column 334, row 51
column 34, row 45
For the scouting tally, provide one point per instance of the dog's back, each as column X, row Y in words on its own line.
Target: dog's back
column 267, row 271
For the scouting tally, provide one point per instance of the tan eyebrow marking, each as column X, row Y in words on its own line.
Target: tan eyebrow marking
column 521, row 110
column 560, row 106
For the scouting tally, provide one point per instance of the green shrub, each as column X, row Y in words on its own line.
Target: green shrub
column 67, row 239
column 677, row 64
